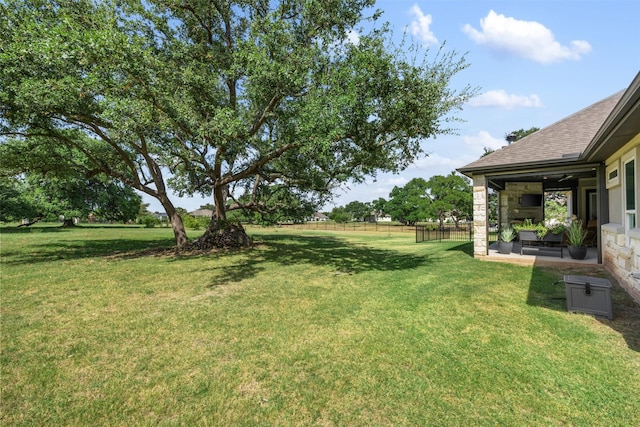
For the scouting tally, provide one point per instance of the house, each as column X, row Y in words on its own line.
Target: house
column 203, row 213
column 318, row 216
column 381, row 218
column 161, row 216
column 594, row 156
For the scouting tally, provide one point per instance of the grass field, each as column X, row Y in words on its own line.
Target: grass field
column 100, row 327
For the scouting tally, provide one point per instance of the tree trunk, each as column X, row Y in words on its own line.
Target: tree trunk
column 220, row 195
column 179, row 232
column 221, row 233
column 68, row 222
column 29, row 223
column 177, row 225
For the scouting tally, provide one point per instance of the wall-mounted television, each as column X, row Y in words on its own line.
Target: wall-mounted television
column 531, row 200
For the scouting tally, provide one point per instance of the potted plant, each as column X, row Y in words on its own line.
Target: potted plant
column 556, row 227
column 551, row 231
column 505, row 244
column 575, row 237
column 529, row 231
column 547, row 235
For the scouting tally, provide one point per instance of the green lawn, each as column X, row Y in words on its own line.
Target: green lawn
column 308, row 328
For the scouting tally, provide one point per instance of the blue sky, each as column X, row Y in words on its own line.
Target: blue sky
column 534, row 62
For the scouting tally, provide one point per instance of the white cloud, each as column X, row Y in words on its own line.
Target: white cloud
column 435, row 160
column 483, row 139
column 527, row 39
column 353, row 37
column 368, row 191
column 396, row 181
column 420, row 26
column 501, row 99
column 382, row 187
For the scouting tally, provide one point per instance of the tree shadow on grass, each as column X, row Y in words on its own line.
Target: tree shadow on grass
column 341, row 256
column 79, row 249
column 546, row 289
column 27, row 230
column 466, row 248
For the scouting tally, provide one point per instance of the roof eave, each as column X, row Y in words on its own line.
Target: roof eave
column 518, row 166
column 624, row 119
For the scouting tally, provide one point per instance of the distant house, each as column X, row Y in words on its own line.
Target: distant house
column 318, row 216
column 374, row 217
column 382, row 218
column 162, row 216
column 205, row 213
column 594, row 155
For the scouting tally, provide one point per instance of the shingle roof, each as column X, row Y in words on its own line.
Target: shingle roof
column 202, row 212
column 560, row 142
column 622, row 125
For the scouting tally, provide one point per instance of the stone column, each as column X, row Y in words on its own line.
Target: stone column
column 480, row 216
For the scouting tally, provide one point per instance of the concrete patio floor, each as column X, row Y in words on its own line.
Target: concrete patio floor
column 530, row 259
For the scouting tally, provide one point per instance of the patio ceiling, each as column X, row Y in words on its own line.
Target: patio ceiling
column 555, row 178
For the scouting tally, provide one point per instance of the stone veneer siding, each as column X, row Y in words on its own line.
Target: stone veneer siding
column 480, row 216
column 622, row 259
column 510, row 208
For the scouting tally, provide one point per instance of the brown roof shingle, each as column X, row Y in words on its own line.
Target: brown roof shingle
column 559, row 142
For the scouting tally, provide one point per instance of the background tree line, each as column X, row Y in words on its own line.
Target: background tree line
column 440, row 198
column 35, row 197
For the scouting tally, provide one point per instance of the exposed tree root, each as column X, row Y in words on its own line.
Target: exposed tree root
column 68, row 223
column 220, row 235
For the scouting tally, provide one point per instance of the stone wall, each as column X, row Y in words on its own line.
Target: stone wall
column 622, row 256
column 480, row 216
column 509, row 207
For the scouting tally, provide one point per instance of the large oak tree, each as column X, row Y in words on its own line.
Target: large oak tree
column 222, row 98
column 409, row 204
column 451, row 196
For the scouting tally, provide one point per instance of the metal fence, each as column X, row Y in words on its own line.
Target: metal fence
column 425, row 233
column 352, row 226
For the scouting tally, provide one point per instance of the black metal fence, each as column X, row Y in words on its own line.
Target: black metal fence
column 382, row 227
column 425, row 233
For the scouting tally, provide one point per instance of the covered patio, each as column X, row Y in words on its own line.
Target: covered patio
column 535, row 168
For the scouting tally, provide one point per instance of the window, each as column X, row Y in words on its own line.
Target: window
column 613, row 174
column 630, row 194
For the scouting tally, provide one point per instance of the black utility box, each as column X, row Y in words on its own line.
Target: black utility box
column 590, row 295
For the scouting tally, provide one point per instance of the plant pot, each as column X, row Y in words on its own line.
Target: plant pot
column 504, row 247
column 532, row 236
column 528, row 236
column 553, row 238
column 577, row 252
